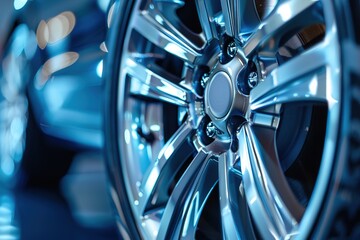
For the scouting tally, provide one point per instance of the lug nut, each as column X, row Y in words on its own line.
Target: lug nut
column 253, row 79
column 231, row 49
column 211, row 130
column 204, row 80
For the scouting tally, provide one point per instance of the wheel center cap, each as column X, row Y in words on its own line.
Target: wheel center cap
column 219, row 94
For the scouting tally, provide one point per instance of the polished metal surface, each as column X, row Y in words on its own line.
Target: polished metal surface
column 227, row 142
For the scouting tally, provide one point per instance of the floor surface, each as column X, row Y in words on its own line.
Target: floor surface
column 78, row 209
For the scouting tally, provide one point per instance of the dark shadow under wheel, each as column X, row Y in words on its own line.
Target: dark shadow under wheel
column 267, row 149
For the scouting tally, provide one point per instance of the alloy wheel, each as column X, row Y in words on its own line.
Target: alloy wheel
column 226, row 117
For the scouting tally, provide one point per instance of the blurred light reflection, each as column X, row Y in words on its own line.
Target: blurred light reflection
column 55, row 29
column 42, row 34
column 20, row 37
column 155, row 128
column 55, row 64
column 13, row 103
column 19, row 4
column 8, row 226
column 7, row 166
column 103, row 4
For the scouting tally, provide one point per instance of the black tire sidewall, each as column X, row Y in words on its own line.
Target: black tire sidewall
column 340, row 214
column 117, row 32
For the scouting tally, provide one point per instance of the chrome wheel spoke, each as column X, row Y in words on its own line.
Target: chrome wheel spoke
column 296, row 81
column 232, row 11
column 146, row 83
column 286, row 17
column 185, row 205
column 234, row 214
column 162, row 172
column 239, row 17
column 266, row 120
column 175, row 2
column 157, row 29
column 206, row 13
column 270, row 199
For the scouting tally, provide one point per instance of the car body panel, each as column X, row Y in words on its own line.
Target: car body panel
column 64, row 79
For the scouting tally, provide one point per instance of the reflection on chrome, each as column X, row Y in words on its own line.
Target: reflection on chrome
column 110, row 14
column 55, row 29
column 103, row 47
column 193, row 214
column 313, row 86
column 53, row 65
column 99, row 69
column 284, row 12
column 8, row 226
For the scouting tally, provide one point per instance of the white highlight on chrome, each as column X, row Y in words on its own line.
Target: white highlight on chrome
column 99, row 68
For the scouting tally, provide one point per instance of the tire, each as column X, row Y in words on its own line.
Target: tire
column 27, row 156
column 227, row 125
